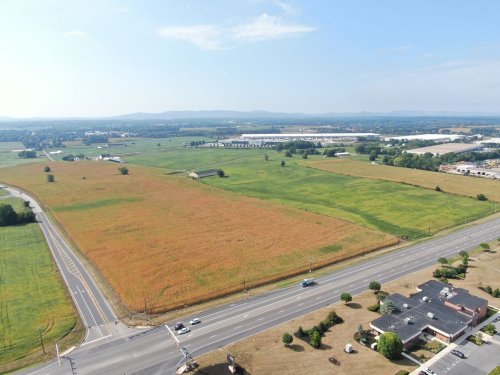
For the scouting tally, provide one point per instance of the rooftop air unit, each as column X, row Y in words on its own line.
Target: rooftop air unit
column 405, row 305
column 425, row 299
column 430, row 315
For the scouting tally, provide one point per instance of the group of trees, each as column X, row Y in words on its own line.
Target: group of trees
column 197, row 143
column 27, row 154
column 72, row 157
column 492, row 292
column 449, row 272
column 315, row 334
column 8, row 216
column 94, row 138
column 331, row 152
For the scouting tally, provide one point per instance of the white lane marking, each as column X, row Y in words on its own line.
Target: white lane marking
column 90, row 311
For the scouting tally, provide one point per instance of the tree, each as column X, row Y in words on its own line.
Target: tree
column 300, row 332
column 463, row 254
column 481, row 197
column 375, row 286
column 304, row 156
column 50, row 178
column 437, row 188
column 346, row 297
column 46, row 169
column 288, row 154
column 266, row 157
column 485, row 246
column 387, row 307
column 390, row 345
column 287, row 339
column 220, row 173
column 373, row 155
column 7, row 215
column 123, row 170
column 26, row 204
column 315, row 341
column 442, row 260
column 283, row 163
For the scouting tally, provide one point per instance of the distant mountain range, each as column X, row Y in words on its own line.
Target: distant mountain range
column 223, row 114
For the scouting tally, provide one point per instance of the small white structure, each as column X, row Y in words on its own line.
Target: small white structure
column 348, row 348
column 374, row 346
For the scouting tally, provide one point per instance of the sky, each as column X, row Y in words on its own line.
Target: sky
column 62, row 58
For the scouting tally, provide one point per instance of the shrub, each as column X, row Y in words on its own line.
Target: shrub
column 485, row 246
column 315, row 341
column 496, row 293
column 481, row 197
column 443, row 260
column 437, row 188
column 374, row 308
column 46, row 169
column 123, row 170
column 50, row 178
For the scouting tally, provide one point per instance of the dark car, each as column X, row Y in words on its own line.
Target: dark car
column 458, row 354
column 178, row 326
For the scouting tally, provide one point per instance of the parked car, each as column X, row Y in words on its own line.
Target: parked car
column 458, row 353
column 178, row 326
column 183, row 331
column 498, row 317
column 429, row 371
column 194, row 321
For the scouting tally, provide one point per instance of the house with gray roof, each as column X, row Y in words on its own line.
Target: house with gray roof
column 437, row 309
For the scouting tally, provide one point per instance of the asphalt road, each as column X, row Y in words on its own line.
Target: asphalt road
column 94, row 310
column 154, row 351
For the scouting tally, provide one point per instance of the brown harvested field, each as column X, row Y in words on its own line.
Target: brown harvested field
column 171, row 240
column 454, row 184
column 265, row 354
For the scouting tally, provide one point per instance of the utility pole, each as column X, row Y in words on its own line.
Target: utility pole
column 41, row 339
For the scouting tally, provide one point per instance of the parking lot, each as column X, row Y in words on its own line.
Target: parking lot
column 479, row 359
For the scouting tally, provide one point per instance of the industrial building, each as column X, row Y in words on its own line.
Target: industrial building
column 427, row 137
column 446, row 148
column 269, row 140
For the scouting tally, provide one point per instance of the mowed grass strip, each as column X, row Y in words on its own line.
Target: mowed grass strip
column 178, row 241
column 391, row 207
column 454, row 184
column 31, row 295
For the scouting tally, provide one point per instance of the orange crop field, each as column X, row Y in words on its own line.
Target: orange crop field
column 169, row 240
column 450, row 183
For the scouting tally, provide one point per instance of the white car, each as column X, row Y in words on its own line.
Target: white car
column 183, row 331
column 194, row 321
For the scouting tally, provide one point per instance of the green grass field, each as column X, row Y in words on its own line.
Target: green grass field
column 9, row 158
column 387, row 206
column 31, row 295
column 195, row 159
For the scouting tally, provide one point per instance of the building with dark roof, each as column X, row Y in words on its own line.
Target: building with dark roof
column 436, row 309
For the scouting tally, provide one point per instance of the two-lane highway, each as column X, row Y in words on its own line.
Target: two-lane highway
column 95, row 312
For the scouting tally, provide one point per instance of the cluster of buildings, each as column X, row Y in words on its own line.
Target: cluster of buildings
column 436, row 310
column 492, row 171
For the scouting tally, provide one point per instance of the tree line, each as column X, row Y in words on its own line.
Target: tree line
column 8, row 216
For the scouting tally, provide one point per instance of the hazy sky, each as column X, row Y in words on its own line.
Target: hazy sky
column 106, row 57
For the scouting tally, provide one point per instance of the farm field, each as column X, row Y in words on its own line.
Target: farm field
column 455, row 184
column 387, row 206
column 31, row 295
column 9, row 158
column 126, row 146
column 169, row 240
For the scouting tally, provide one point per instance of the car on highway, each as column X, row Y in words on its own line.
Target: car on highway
column 178, row 326
column 306, row 282
column 183, row 331
column 458, row 353
column 194, row 321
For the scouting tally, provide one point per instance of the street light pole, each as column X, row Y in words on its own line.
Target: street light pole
column 41, row 340
column 57, row 352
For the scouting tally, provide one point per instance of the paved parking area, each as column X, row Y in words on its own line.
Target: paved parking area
column 480, row 359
